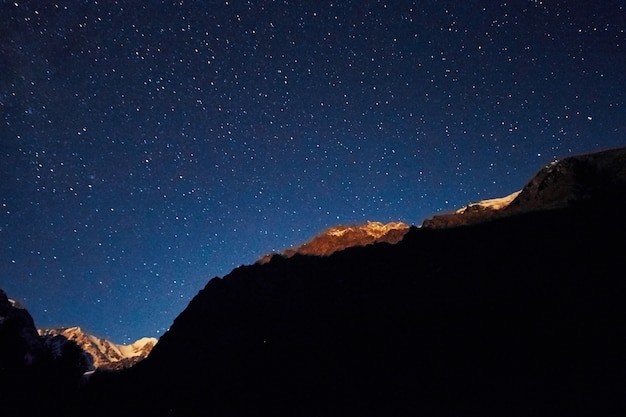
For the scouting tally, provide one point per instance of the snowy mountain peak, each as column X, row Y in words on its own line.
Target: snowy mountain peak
column 106, row 354
column 141, row 347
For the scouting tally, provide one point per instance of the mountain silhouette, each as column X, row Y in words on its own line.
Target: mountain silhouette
column 35, row 372
column 520, row 314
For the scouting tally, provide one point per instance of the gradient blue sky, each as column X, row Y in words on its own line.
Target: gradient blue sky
column 147, row 147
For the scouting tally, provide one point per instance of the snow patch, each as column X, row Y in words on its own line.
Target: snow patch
column 16, row 304
column 491, row 204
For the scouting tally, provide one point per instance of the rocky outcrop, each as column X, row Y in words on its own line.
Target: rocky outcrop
column 341, row 237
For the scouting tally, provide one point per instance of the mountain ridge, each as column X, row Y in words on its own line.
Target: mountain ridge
column 596, row 177
column 105, row 354
column 518, row 315
column 340, row 237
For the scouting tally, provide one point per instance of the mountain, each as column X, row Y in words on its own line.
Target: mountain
column 42, row 371
column 341, row 237
column 517, row 315
column 20, row 344
column 595, row 178
column 105, row 354
column 598, row 178
column 35, row 372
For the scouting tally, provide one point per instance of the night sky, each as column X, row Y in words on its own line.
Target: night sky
column 148, row 146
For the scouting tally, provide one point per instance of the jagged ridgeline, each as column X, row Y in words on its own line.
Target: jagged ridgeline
column 341, row 237
column 521, row 313
column 51, row 364
column 105, row 354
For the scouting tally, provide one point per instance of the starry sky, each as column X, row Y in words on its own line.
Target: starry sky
column 148, row 146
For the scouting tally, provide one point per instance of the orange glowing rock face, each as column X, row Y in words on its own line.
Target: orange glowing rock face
column 342, row 237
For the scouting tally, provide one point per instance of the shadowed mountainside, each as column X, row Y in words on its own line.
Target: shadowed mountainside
column 35, row 372
column 520, row 315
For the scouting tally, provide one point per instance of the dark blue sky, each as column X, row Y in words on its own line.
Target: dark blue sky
column 147, row 147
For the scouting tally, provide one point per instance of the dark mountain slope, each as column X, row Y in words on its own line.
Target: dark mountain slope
column 595, row 178
column 37, row 375
column 518, row 316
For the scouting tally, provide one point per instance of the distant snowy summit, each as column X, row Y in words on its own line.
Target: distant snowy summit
column 106, row 354
column 597, row 178
column 22, row 345
column 341, row 237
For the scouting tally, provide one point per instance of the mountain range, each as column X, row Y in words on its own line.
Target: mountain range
column 105, row 354
column 50, row 364
column 510, row 306
column 519, row 312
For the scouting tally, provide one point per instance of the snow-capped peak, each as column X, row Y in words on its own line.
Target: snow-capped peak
column 137, row 348
column 106, row 354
